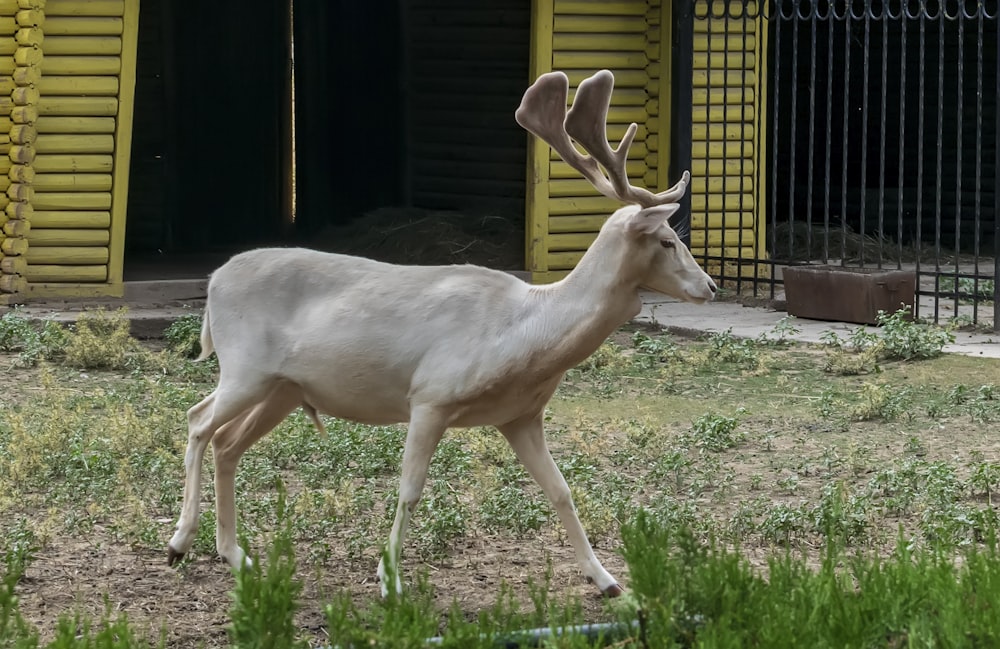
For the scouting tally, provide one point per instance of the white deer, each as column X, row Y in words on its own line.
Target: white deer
column 435, row 346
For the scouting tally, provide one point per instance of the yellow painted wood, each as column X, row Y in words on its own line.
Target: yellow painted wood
column 52, row 124
column 87, row 8
column 78, row 85
column 24, row 114
column 6, row 105
column 559, row 169
column 63, row 273
column 13, row 265
column 719, row 42
column 83, row 26
column 760, row 90
column 5, row 184
column 601, row 7
column 64, row 237
column 67, row 255
column 715, row 220
column 608, row 41
column 578, row 187
column 23, row 96
column 537, row 188
column 725, row 184
column 565, row 260
column 599, row 24
column 73, row 182
column 58, row 143
column 19, row 191
column 726, row 113
column 577, row 223
column 19, row 211
column 78, row 106
column 723, row 96
column 13, row 246
column 49, row 163
column 77, row 45
column 31, row 4
column 576, row 241
column 702, row 202
column 72, row 200
column 29, row 37
column 8, row 24
column 615, row 131
column 30, row 18
column 722, row 150
column 730, row 167
column 27, row 56
column 81, row 65
column 21, row 154
column 17, row 228
column 8, row 7
column 8, row 46
column 23, row 134
column 123, row 148
column 71, row 219
column 596, row 60
column 623, row 96
column 719, row 238
column 623, row 78
column 720, row 78
column 583, row 205
column 21, row 174
column 14, row 284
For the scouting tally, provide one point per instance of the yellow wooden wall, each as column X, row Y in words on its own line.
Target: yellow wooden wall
column 70, row 110
column 632, row 39
column 726, row 122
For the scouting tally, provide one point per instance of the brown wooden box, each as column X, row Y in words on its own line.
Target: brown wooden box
column 847, row 294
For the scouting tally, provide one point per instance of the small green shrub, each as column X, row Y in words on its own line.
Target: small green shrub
column 102, row 340
column 183, row 336
column 904, row 339
column 716, row 432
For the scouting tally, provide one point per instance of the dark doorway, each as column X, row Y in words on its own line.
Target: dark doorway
column 397, row 112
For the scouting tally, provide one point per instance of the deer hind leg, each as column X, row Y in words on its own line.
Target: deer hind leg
column 527, row 439
column 228, row 446
column 425, row 431
column 204, row 420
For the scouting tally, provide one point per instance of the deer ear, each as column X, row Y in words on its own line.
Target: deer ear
column 648, row 220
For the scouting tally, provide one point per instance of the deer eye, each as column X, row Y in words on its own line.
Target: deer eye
column 667, row 243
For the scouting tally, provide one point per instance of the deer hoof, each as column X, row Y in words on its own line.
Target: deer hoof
column 614, row 590
column 173, row 556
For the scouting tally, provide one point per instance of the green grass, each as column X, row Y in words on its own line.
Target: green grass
column 759, row 454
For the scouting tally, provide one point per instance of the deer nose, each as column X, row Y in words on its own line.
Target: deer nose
column 712, row 287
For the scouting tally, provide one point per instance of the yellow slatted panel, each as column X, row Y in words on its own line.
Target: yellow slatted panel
column 83, row 124
column 726, row 128
column 580, row 37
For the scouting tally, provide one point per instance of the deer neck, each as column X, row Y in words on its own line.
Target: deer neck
column 590, row 303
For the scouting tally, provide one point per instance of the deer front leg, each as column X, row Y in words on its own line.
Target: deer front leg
column 527, row 438
column 426, row 429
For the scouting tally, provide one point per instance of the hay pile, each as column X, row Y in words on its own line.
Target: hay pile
column 428, row 237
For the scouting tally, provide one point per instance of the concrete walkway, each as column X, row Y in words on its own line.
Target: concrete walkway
column 749, row 322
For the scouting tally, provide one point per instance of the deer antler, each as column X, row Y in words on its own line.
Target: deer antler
column 543, row 112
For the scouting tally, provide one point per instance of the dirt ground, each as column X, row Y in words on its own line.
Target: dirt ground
column 190, row 603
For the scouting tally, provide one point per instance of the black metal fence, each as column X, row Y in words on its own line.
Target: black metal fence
column 857, row 134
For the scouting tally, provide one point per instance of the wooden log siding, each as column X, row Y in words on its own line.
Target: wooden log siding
column 468, row 66
column 588, row 35
column 24, row 20
column 76, row 168
column 725, row 135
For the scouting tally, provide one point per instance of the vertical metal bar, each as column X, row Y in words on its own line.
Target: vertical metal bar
column 846, row 139
column 958, row 154
column 812, row 125
column 939, row 170
column 902, row 142
column 829, row 132
column 792, row 133
column 682, row 72
column 866, row 66
column 996, row 186
column 775, row 111
column 979, row 163
column 881, row 135
column 709, row 87
column 921, row 107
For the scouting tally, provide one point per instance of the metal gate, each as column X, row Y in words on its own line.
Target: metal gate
column 864, row 135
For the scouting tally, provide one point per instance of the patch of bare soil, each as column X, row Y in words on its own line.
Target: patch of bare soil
column 190, row 603
column 428, row 237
